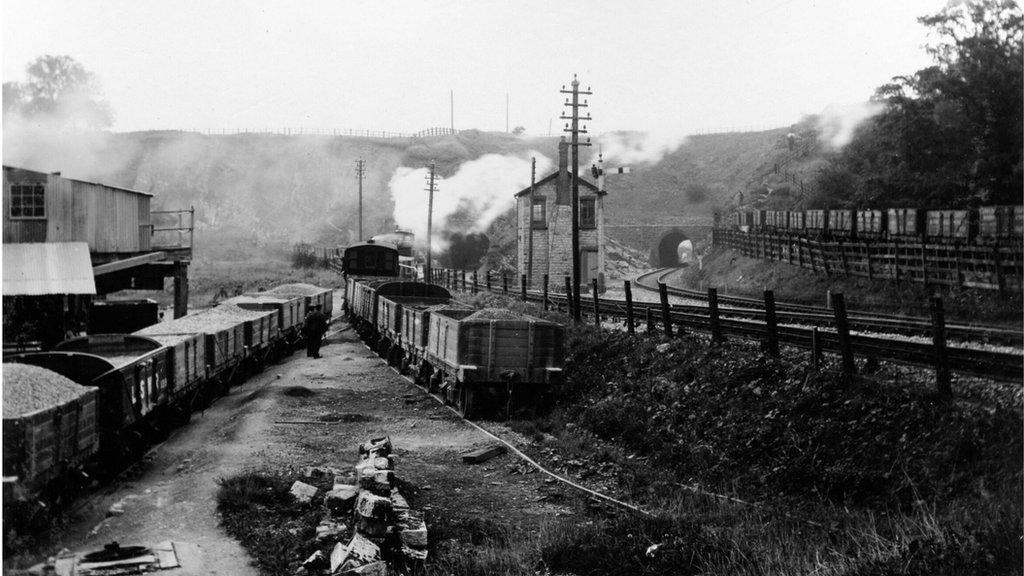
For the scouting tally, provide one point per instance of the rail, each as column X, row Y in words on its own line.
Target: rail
column 1001, row 366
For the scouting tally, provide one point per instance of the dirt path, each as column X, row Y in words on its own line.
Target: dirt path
column 263, row 425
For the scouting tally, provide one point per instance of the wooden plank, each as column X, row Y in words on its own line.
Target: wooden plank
column 483, row 454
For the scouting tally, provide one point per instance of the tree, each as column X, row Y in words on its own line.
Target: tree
column 61, row 89
column 950, row 134
column 518, row 130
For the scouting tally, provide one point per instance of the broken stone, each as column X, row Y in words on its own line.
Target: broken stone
column 384, row 463
column 373, row 514
column 330, row 531
column 319, row 471
column 315, row 562
column 303, row 492
column 359, row 552
column 116, row 509
column 379, row 482
column 364, row 468
column 412, row 529
column 340, row 500
column 662, row 348
column 376, row 447
column 398, row 502
column 484, row 454
column 338, row 555
column 414, row 554
column 379, row 568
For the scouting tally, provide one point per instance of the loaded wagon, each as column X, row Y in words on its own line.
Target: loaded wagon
column 949, row 225
column 224, row 337
column 401, row 322
column 312, row 295
column 50, row 428
column 796, row 221
column 493, row 358
column 871, row 224
column 291, row 310
column 999, row 223
column 188, row 356
column 816, row 221
column 842, row 223
column 906, row 223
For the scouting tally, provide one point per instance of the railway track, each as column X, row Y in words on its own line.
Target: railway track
column 789, row 313
column 1001, row 366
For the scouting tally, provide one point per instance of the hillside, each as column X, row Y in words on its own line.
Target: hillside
column 253, row 190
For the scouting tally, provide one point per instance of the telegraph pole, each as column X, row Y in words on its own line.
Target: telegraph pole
column 360, row 171
column 431, row 187
column 529, row 220
column 575, row 130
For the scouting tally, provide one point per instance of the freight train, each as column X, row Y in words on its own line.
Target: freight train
column 985, row 225
column 488, row 361
column 94, row 401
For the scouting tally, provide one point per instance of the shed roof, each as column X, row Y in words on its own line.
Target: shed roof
column 35, row 269
column 118, row 188
column 550, row 177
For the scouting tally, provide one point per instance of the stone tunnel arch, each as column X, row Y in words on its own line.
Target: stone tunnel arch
column 666, row 250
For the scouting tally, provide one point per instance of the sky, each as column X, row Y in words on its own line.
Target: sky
column 684, row 66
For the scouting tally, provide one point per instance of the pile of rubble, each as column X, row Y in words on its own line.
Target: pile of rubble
column 387, row 535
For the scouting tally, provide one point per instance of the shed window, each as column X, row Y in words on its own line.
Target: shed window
column 588, row 213
column 28, row 201
column 539, row 216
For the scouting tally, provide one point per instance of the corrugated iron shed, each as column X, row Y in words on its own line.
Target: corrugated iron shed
column 35, row 269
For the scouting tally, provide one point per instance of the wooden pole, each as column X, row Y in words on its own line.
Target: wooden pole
column 522, row 286
column 629, row 307
column 650, row 319
column 568, row 297
column 504, row 283
column 716, row 326
column 597, row 306
column 942, row 379
column 843, row 332
column 771, row 323
column 546, row 292
column 476, row 286
column 666, row 316
column 815, row 348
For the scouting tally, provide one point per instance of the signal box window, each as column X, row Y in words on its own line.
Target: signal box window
column 539, row 216
column 28, row 201
column 588, row 213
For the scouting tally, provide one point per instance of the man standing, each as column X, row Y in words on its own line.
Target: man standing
column 314, row 328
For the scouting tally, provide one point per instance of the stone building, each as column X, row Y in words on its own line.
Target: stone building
column 544, row 226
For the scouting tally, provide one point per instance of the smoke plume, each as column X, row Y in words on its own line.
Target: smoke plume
column 629, row 148
column 838, row 122
column 479, row 192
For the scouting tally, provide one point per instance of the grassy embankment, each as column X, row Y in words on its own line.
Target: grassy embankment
column 742, row 276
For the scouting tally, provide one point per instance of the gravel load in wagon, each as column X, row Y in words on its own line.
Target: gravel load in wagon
column 297, row 289
column 28, row 389
column 494, row 314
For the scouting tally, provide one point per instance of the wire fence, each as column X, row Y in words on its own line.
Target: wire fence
column 306, row 131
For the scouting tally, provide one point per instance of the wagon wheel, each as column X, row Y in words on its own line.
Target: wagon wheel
column 466, row 402
column 434, row 382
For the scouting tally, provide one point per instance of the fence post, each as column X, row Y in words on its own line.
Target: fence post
column 666, row 315
column 815, row 348
column 568, row 296
column 843, row 331
column 650, row 319
column 488, row 279
column 771, row 323
column 939, row 342
column 545, row 292
column 462, row 273
column 716, row 327
column 475, row 285
column 997, row 265
column 522, row 286
column 504, row 283
column 924, row 263
column 597, row 306
column 629, row 307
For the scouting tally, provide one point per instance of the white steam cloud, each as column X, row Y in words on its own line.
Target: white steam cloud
column 629, row 148
column 838, row 122
column 481, row 189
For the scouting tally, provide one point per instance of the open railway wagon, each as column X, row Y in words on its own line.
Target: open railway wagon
column 133, row 374
column 50, row 430
column 402, row 322
column 311, row 295
column 493, row 360
column 223, row 341
column 289, row 310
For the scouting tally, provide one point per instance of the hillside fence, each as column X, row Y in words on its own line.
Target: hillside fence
column 956, row 265
column 305, row 131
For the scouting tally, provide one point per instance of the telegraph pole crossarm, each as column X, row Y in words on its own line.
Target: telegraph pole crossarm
column 360, row 172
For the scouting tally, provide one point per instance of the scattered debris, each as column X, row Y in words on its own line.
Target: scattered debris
column 484, row 454
column 330, row 531
column 341, row 499
column 303, row 492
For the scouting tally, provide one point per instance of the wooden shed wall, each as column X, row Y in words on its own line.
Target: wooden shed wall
column 108, row 219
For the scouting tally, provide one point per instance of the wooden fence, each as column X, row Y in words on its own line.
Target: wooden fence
column 989, row 267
